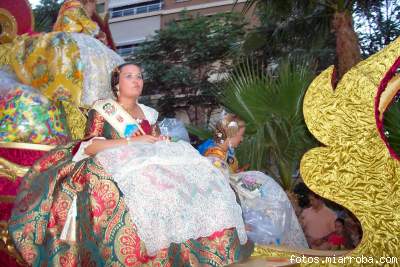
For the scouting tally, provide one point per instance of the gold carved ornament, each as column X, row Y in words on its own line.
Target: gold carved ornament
column 11, row 171
column 8, row 26
column 354, row 167
column 8, row 31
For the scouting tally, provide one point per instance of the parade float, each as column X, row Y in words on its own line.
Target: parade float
column 31, row 122
column 355, row 166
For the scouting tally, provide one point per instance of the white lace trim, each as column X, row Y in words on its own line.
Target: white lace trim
column 150, row 113
column 272, row 201
column 68, row 232
column 80, row 154
column 173, row 193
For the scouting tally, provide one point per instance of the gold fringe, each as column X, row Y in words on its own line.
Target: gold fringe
column 11, row 170
column 7, row 245
column 26, row 146
column 76, row 119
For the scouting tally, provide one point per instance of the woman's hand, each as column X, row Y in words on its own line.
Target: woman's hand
column 164, row 138
column 102, row 37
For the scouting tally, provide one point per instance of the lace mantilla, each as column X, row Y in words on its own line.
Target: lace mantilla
column 173, row 193
column 99, row 61
column 271, row 201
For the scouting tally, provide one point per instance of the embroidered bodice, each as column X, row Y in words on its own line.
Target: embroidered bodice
column 98, row 126
column 218, row 152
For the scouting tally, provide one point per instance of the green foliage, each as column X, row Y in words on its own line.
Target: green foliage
column 391, row 125
column 377, row 25
column 200, row 132
column 292, row 29
column 46, row 14
column 303, row 27
column 181, row 58
column 271, row 106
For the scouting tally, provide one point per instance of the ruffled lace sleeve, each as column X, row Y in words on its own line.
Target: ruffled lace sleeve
column 150, row 113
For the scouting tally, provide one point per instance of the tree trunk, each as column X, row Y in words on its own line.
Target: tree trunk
column 347, row 45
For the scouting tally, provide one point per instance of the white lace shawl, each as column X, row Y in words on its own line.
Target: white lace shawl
column 173, row 193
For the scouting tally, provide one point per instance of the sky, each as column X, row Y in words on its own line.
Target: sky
column 34, row 2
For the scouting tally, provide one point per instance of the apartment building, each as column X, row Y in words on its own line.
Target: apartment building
column 132, row 21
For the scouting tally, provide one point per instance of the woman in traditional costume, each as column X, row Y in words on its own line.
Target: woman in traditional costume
column 71, row 63
column 267, row 211
column 125, row 197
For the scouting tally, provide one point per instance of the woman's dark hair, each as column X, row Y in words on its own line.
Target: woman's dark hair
column 115, row 76
column 311, row 193
column 341, row 220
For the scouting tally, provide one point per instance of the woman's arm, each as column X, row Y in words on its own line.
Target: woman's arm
column 95, row 132
column 99, row 145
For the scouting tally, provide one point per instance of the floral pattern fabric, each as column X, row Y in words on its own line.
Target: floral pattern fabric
column 51, row 63
column 73, row 18
column 67, row 64
column 105, row 234
column 27, row 116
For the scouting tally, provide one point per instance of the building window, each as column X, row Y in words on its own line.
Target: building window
column 127, row 50
column 137, row 9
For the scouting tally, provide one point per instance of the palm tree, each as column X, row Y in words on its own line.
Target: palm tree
column 335, row 15
column 271, row 106
column 46, row 14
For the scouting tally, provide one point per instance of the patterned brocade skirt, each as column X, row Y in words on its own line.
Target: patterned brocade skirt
column 103, row 233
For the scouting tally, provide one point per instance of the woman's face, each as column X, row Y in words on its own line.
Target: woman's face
column 238, row 138
column 130, row 81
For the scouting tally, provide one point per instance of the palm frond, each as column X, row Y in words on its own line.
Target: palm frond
column 201, row 133
column 245, row 94
column 271, row 106
column 391, row 124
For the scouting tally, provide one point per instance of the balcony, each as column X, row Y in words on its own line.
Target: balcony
column 136, row 10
